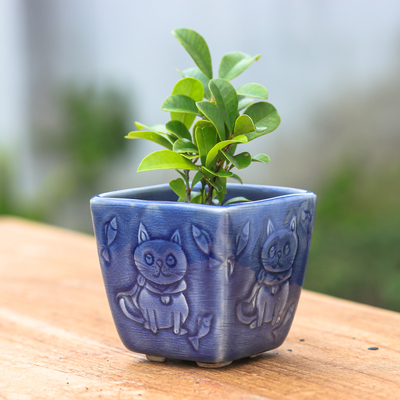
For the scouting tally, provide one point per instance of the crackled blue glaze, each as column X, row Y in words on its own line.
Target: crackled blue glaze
column 203, row 283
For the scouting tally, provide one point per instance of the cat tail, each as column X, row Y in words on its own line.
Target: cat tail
column 195, row 342
column 246, row 319
column 133, row 317
column 287, row 318
column 132, row 294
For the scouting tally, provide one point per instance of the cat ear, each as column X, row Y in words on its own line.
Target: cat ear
column 270, row 228
column 293, row 224
column 143, row 236
column 176, row 238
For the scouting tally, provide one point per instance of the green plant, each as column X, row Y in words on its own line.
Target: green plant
column 227, row 118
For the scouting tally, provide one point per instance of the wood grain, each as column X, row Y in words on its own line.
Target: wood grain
column 57, row 338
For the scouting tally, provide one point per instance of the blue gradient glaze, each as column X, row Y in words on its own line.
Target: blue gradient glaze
column 203, row 283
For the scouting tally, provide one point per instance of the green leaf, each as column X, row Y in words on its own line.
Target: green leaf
column 208, row 175
column 166, row 159
column 261, row 158
column 226, row 99
column 206, row 139
column 222, row 173
column 179, row 187
column 244, row 124
column 232, row 150
column 234, row 63
column 223, row 183
column 157, row 128
column 228, row 158
column 183, row 145
column 197, row 47
column 265, row 118
column 237, row 178
column 244, row 102
column 243, row 159
column 190, row 156
column 183, row 176
column 179, row 129
column 141, row 126
column 152, row 136
column 253, row 90
column 217, row 185
column 197, row 74
column 180, row 103
column 238, row 199
column 192, row 88
column 221, row 197
column 212, row 112
column 197, row 197
column 212, row 154
column 201, row 123
column 216, row 181
column 197, row 178
column 154, row 128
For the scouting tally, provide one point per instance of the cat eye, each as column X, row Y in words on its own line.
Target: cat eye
column 272, row 251
column 149, row 259
column 286, row 250
column 171, row 261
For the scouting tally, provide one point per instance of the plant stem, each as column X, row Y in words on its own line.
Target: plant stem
column 210, row 187
column 210, row 194
column 188, row 190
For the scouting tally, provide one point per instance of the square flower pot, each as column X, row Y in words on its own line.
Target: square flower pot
column 203, row 283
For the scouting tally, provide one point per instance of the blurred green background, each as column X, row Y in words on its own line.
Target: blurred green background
column 76, row 76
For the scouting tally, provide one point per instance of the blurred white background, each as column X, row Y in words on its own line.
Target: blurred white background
column 315, row 56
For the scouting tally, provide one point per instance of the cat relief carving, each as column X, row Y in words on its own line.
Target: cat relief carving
column 269, row 295
column 156, row 299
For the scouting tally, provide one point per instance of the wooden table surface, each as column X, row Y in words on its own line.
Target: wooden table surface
column 58, row 340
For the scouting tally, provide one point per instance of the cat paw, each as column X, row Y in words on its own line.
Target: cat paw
column 180, row 331
column 253, row 324
column 275, row 321
column 147, row 326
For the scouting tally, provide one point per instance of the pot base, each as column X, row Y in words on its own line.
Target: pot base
column 200, row 364
column 213, row 365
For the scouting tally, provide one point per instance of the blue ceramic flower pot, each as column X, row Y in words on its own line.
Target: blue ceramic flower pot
column 203, row 283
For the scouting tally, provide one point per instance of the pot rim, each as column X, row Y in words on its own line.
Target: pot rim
column 127, row 195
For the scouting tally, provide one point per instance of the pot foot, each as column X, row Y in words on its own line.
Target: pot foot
column 156, row 358
column 256, row 355
column 213, row 365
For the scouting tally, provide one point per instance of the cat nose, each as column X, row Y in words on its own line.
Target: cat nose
column 279, row 254
column 159, row 263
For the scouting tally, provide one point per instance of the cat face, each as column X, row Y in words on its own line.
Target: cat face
column 280, row 249
column 160, row 261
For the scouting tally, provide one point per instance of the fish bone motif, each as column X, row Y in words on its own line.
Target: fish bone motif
column 204, row 326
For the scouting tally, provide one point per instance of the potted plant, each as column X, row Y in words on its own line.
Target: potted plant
column 202, row 269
